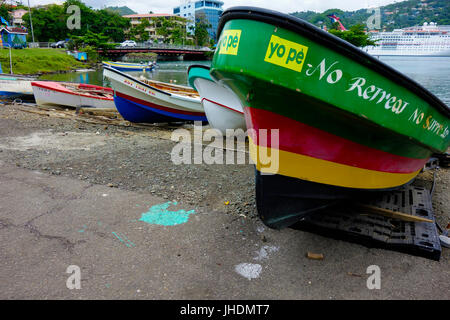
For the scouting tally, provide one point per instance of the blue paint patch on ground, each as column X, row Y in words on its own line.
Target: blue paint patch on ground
column 160, row 215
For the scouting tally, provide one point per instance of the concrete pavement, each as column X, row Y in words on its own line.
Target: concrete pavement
column 48, row 223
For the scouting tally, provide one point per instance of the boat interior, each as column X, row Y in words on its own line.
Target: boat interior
column 171, row 88
column 103, row 93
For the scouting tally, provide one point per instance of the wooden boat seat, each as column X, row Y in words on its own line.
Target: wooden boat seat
column 92, row 92
column 171, row 88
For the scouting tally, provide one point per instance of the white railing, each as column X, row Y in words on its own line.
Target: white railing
column 139, row 45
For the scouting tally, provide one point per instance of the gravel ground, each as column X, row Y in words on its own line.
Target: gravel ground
column 130, row 158
column 139, row 159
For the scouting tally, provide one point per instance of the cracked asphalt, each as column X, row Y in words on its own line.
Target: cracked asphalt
column 53, row 216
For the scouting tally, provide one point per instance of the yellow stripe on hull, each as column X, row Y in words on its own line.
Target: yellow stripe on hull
column 322, row 171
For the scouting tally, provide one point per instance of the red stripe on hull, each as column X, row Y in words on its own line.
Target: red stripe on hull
column 156, row 106
column 300, row 138
column 222, row 105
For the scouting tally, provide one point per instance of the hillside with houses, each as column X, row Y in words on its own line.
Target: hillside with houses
column 397, row 15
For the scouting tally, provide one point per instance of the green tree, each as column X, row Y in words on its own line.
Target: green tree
column 50, row 22
column 138, row 32
column 4, row 11
column 201, row 34
column 355, row 35
column 402, row 14
column 173, row 29
column 92, row 39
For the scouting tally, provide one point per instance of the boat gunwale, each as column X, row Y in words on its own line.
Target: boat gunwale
column 332, row 42
column 135, row 79
column 69, row 91
column 170, row 94
column 127, row 65
column 169, row 85
column 197, row 66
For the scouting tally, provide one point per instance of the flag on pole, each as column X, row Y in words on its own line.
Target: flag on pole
column 4, row 21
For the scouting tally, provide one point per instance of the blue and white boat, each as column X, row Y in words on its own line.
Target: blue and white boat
column 13, row 86
column 149, row 101
column 125, row 66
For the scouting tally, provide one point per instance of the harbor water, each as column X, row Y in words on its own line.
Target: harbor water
column 433, row 73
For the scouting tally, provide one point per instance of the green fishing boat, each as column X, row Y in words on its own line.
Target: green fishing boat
column 326, row 120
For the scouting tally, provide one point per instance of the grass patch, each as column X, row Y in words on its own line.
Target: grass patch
column 36, row 60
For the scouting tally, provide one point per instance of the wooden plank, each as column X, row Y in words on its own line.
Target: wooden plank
column 314, row 256
column 101, row 112
column 392, row 214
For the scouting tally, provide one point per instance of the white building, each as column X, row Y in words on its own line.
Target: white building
column 17, row 16
column 192, row 10
column 153, row 21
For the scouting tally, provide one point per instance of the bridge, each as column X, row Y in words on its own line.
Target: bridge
column 162, row 50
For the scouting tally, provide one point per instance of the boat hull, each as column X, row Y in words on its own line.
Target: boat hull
column 11, row 88
column 141, row 103
column 283, row 201
column 223, row 109
column 127, row 66
column 326, row 122
column 12, row 95
column 55, row 94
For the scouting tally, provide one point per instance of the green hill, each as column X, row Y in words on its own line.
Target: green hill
column 397, row 15
column 121, row 10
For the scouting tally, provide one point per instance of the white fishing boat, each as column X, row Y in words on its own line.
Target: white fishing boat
column 74, row 95
column 223, row 109
column 13, row 86
column 149, row 101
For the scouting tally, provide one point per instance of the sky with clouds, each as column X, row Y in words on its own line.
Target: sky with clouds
column 286, row 6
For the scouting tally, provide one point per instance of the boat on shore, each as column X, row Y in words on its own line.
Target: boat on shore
column 15, row 86
column 148, row 101
column 126, row 66
column 48, row 93
column 223, row 109
column 341, row 124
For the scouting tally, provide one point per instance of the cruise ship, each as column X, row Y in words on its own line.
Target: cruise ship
column 427, row 40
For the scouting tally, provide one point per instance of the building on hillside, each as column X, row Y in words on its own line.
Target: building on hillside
column 17, row 16
column 16, row 37
column 153, row 18
column 192, row 10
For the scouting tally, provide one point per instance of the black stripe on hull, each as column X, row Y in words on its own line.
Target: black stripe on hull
column 283, row 201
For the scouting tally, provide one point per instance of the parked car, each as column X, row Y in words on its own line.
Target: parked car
column 59, row 44
column 128, row 43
